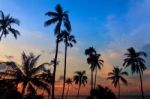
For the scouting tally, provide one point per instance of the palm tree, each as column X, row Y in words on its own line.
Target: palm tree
column 68, row 82
column 6, row 23
column 80, row 78
column 116, row 76
column 90, row 52
column 97, row 64
column 58, row 18
column 68, row 40
column 26, row 74
column 136, row 61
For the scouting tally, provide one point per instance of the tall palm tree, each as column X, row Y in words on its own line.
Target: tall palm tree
column 90, row 52
column 116, row 76
column 68, row 82
column 80, row 78
column 68, row 40
column 26, row 74
column 6, row 23
column 97, row 64
column 136, row 61
column 58, row 17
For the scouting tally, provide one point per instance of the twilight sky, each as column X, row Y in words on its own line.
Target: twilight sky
column 110, row 26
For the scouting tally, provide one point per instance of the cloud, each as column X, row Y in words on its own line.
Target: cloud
column 128, row 30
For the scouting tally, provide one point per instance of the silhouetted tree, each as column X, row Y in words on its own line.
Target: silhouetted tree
column 95, row 62
column 33, row 97
column 8, row 90
column 80, row 79
column 58, row 18
column 27, row 73
column 68, row 40
column 136, row 61
column 101, row 93
column 6, row 23
column 90, row 52
column 13, row 94
column 68, row 82
column 116, row 76
column 47, row 76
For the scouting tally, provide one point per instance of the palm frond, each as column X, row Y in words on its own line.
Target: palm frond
column 14, row 32
column 39, row 68
column 59, row 8
column 124, row 80
column 51, row 14
column 51, row 21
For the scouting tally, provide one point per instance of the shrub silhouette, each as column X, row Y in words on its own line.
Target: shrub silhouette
column 101, row 93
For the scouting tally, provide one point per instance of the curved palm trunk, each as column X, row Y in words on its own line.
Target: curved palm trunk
column 118, row 90
column 91, row 79
column 141, row 84
column 54, row 72
column 78, row 91
column 67, row 91
column 65, row 61
column 95, row 78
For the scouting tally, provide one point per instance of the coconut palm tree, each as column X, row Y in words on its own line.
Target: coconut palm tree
column 58, row 17
column 90, row 52
column 6, row 23
column 26, row 74
column 68, row 82
column 80, row 78
column 135, row 60
column 117, row 76
column 97, row 64
column 69, row 40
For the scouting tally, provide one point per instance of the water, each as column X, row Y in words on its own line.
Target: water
column 122, row 97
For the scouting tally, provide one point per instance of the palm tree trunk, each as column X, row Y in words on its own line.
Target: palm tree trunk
column 95, row 78
column 1, row 36
column 91, row 79
column 23, row 90
column 43, row 93
column 78, row 91
column 118, row 90
column 50, row 90
column 67, row 91
column 141, row 84
column 54, row 72
column 65, row 61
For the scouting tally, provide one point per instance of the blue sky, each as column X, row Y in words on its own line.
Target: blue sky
column 111, row 26
column 82, row 14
